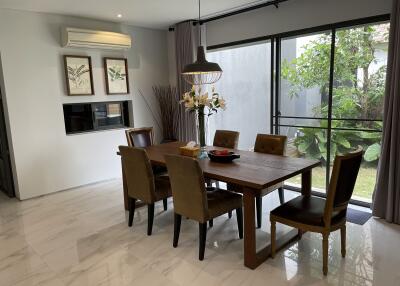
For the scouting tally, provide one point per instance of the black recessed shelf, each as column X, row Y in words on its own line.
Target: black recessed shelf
column 95, row 116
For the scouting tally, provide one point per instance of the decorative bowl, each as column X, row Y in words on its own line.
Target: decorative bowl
column 222, row 157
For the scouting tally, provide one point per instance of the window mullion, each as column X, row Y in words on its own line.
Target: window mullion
column 330, row 102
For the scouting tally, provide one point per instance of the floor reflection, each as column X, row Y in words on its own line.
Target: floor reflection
column 80, row 237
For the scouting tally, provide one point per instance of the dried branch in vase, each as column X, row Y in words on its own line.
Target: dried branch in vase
column 168, row 100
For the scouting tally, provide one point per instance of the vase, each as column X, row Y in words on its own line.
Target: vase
column 202, row 132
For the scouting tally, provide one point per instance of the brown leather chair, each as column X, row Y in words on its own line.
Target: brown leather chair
column 226, row 139
column 194, row 201
column 308, row 213
column 142, row 184
column 140, row 137
column 274, row 145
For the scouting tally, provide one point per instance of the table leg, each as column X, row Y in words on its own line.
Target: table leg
column 306, row 183
column 125, row 188
column 252, row 257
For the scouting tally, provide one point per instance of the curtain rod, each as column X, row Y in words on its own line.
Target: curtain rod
column 244, row 10
column 236, row 12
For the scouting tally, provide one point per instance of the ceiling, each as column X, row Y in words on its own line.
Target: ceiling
column 146, row 13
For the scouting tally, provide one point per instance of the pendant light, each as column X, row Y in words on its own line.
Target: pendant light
column 201, row 71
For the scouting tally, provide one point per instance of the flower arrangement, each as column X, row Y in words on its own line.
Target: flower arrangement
column 203, row 104
column 195, row 101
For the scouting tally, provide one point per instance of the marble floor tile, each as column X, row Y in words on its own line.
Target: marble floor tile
column 80, row 237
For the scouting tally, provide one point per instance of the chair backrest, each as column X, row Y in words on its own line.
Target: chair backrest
column 270, row 144
column 226, row 139
column 188, row 187
column 139, row 174
column 341, row 186
column 139, row 137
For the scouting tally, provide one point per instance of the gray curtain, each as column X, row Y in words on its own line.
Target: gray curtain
column 386, row 201
column 185, row 39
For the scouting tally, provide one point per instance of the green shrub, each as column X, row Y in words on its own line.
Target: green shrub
column 358, row 92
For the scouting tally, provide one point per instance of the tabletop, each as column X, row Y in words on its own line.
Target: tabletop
column 253, row 170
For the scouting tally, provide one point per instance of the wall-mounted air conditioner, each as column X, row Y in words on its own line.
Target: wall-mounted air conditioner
column 82, row 38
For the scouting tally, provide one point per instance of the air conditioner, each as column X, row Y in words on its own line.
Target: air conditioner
column 82, row 38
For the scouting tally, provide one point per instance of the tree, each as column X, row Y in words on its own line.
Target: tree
column 358, row 90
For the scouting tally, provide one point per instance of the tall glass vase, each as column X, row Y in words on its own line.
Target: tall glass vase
column 202, row 132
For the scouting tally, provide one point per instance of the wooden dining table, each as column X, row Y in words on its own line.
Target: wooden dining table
column 252, row 173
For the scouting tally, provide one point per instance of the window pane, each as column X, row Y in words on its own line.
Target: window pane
column 245, row 85
column 360, row 72
column 304, row 94
column 308, row 143
column 305, row 66
column 358, row 94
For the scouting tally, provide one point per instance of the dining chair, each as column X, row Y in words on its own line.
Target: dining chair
column 193, row 200
column 308, row 213
column 141, row 138
column 274, row 145
column 226, row 139
column 142, row 184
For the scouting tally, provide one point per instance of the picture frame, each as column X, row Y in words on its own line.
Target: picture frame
column 78, row 75
column 116, row 75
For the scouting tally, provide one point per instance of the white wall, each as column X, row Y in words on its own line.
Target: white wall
column 45, row 159
column 291, row 15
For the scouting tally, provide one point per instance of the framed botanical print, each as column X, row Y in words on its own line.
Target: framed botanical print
column 116, row 73
column 79, row 77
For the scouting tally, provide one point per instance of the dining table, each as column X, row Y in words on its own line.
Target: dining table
column 251, row 173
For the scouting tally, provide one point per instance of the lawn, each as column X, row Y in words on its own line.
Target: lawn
column 364, row 186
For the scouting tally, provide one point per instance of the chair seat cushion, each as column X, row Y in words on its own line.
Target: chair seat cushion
column 306, row 210
column 159, row 170
column 221, row 202
column 163, row 187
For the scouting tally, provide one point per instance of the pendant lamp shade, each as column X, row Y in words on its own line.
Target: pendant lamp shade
column 201, row 71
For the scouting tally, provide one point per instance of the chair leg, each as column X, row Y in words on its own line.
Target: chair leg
column 202, row 239
column 132, row 205
column 273, row 238
column 281, row 196
column 239, row 217
column 177, row 228
column 211, row 222
column 150, row 218
column 259, row 210
column 165, row 203
column 300, row 233
column 325, row 246
column 230, row 214
column 343, row 240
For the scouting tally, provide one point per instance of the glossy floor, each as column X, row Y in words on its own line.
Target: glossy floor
column 80, row 237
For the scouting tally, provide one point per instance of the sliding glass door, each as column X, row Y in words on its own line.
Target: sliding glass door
column 323, row 89
column 246, row 86
column 331, row 104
